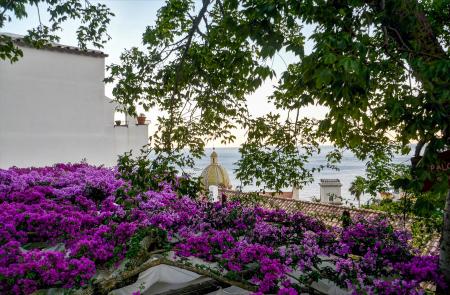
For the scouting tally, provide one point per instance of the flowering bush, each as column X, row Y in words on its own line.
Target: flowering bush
column 381, row 252
column 59, row 224
column 72, row 205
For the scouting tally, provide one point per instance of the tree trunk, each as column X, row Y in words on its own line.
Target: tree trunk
column 444, row 254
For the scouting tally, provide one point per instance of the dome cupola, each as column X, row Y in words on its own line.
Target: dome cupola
column 215, row 174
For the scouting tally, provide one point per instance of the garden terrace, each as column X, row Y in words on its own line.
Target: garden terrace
column 79, row 227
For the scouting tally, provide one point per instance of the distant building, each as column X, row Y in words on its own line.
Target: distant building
column 215, row 174
column 330, row 191
column 53, row 109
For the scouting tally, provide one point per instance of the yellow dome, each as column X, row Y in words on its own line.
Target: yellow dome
column 215, row 174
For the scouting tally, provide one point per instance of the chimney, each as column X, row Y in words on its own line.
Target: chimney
column 295, row 193
column 330, row 191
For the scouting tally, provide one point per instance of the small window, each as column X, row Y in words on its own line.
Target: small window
column 330, row 198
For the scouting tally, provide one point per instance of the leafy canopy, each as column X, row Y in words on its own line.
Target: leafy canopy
column 380, row 67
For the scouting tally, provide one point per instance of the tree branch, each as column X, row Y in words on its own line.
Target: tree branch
column 195, row 23
column 39, row 14
column 418, row 148
column 194, row 28
column 6, row 8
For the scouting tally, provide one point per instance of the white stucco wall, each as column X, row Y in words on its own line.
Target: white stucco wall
column 53, row 109
column 329, row 188
column 131, row 137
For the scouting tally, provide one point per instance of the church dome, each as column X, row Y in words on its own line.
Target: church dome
column 215, row 174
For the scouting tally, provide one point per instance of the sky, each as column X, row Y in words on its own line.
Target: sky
column 126, row 29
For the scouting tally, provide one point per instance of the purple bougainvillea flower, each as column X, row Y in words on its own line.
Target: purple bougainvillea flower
column 76, row 207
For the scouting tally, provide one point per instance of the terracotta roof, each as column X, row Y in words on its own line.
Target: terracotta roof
column 19, row 40
column 282, row 195
column 331, row 215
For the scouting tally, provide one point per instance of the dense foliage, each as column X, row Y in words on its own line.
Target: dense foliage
column 379, row 67
column 59, row 225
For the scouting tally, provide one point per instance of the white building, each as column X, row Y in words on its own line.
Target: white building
column 330, row 191
column 53, row 109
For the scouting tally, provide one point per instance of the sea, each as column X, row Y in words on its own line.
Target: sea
column 349, row 168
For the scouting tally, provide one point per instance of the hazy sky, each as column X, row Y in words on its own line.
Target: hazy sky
column 126, row 29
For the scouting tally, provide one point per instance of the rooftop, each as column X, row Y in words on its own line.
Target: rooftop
column 330, row 180
column 20, row 40
column 282, row 195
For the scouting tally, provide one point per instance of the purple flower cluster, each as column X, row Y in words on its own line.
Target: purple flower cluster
column 420, row 268
column 264, row 247
column 85, row 212
column 72, row 205
column 35, row 268
column 256, row 245
column 371, row 249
